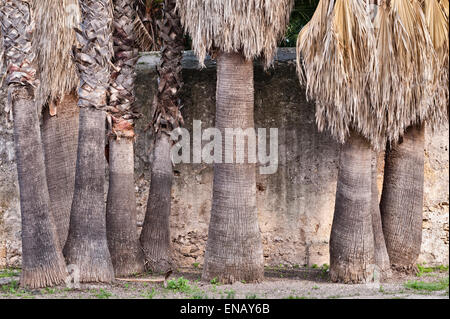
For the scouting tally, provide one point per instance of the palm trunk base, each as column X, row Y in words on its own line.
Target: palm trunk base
column 155, row 235
column 121, row 229
column 86, row 246
column 402, row 199
column 42, row 260
column 248, row 273
column 60, row 140
column 352, row 241
column 383, row 265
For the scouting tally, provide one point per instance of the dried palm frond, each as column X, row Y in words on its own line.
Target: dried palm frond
column 337, row 57
column 405, row 65
column 53, row 41
column 143, row 37
column 438, row 27
column 252, row 27
column 445, row 7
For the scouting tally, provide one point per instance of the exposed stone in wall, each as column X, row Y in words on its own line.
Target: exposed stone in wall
column 295, row 205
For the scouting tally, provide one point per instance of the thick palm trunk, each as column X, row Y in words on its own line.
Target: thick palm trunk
column 155, row 235
column 60, row 139
column 402, row 199
column 352, row 241
column 86, row 245
column 234, row 248
column 123, row 243
column 42, row 260
column 381, row 255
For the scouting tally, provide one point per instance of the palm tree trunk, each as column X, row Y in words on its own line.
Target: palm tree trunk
column 381, row 255
column 42, row 260
column 155, row 235
column 352, row 240
column 121, row 229
column 60, row 139
column 86, row 245
column 234, row 248
column 121, row 220
column 402, row 198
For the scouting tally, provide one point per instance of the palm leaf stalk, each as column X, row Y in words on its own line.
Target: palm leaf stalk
column 56, row 94
column 155, row 235
column 235, row 32
column 86, row 246
column 44, row 266
column 121, row 219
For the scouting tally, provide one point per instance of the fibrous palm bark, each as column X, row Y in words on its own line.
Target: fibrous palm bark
column 155, row 235
column 42, row 259
column 123, row 243
column 352, row 241
column 402, row 199
column 53, row 42
column 86, row 246
column 380, row 252
column 236, row 31
column 234, row 247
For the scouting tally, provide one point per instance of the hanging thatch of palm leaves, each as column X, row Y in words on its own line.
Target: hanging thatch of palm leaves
column 145, row 24
column 252, row 27
column 335, row 60
column 52, row 42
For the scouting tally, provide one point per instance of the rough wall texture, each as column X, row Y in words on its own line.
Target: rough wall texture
column 295, row 205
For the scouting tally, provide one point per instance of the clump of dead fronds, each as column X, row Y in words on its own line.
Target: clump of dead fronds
column 52, row 42
column 252, row 27
column 335, row 61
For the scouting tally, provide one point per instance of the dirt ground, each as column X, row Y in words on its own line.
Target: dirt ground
column 280, row 283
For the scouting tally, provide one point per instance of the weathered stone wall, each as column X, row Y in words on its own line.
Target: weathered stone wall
column 295, row 205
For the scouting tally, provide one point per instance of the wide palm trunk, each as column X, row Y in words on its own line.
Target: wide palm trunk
column 86, row 245
column 234, row 248
column 121, row 220
column 42, row 260
column 352, row 239
column 155, row 235
column 60, row 140
column 380, row 251
column 402, row 198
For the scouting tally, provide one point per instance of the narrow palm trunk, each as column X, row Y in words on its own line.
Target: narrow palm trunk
column 381, row 255
column 60, row 139
column 352, row 241
column 123, row 243
column 42, row 261
column 402, row 199
column 234, row 248
column 86, row 245
column 155, row 235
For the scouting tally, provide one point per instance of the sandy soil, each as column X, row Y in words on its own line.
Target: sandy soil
column 280, row 283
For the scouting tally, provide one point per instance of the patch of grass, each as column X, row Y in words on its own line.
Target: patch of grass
column 381, row 289
column 315, row 287
column 230, row 294
column 179, row 285
column 214, row 281
column 254, row 296
column 11, row 288
column 422, row 269
column 48, row 291
column 296, row 266
column 428, row 286
column 196, row 265
column 9, row 272
column 334, row 297
column 199, row 295
column 314, row 266
column 295, row 297
column 149, row 294
column 102, row 294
